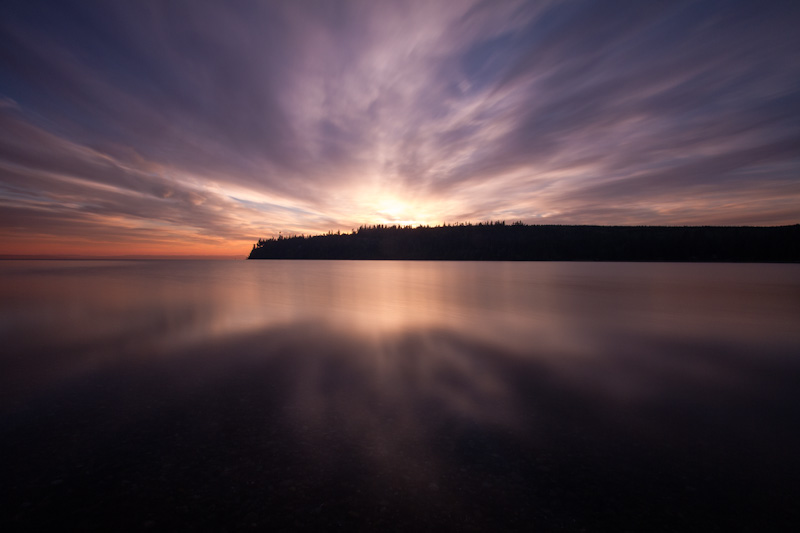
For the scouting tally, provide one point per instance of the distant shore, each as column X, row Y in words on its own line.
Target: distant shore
column 497, row 241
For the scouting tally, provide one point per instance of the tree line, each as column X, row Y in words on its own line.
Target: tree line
column 498, row 241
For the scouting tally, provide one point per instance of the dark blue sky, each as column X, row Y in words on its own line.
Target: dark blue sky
column 196, row 127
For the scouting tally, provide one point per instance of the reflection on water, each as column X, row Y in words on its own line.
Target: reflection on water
column 341, row 395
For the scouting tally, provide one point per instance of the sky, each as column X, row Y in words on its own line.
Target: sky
column 193, row 128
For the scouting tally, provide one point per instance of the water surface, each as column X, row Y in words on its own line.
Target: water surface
column 399, row 395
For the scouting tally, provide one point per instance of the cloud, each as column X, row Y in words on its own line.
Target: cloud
column 237, row 120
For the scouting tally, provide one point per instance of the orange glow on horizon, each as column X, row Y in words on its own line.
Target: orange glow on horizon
column 48, row 247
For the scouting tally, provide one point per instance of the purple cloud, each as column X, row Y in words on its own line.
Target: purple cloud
column 230, row 121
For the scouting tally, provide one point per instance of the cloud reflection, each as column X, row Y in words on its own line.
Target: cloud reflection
column 456, row 395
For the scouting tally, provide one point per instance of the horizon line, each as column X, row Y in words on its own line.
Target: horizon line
column 79, row 257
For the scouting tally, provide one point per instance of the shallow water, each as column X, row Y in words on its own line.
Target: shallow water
column 398, row 395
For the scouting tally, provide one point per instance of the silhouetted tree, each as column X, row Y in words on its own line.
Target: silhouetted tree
column 520, row 242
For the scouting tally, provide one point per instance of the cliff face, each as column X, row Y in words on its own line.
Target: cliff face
column 518, row 242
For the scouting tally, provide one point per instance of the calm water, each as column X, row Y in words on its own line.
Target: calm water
column 399, row 395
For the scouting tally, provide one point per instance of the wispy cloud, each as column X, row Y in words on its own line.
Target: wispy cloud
column 190, row 126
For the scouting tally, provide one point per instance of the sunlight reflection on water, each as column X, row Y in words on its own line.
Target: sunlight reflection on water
column 497, row 386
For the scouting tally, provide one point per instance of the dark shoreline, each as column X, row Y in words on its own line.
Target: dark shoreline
column 518, row 242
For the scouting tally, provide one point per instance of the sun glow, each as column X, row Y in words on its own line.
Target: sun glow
column 393, row 209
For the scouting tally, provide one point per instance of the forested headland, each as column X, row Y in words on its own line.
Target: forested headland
column 497, row 241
